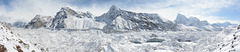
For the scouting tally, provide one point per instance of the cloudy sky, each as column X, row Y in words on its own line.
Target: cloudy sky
column 210, row 10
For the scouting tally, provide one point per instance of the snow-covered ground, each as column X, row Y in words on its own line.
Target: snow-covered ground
column 230, row 40
column 10, row 42
column 96, row 40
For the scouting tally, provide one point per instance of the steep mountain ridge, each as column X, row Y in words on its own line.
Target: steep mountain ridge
column 194, row 24
column 39, row 21
column 191, row 21
column 118, row 20
column 121, row 20
column 68, row 18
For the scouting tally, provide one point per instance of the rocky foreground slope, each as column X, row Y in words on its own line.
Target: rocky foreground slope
column 230, row 40
column 10, row 42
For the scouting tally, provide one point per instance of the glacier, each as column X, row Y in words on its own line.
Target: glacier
column 117, row 31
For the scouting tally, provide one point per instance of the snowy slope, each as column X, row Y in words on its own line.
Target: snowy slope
column 122, row 20
column 10, row 42
column 230, row 40
column 193, row 24
column 39, row 21
column 67, row 18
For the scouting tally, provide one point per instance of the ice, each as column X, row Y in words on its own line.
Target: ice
column 96, row 40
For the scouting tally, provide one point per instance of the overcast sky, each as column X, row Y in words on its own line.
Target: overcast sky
column 210, row 10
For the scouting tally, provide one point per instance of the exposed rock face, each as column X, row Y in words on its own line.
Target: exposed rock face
column 39, row 21
column 121, row 20
column 238, row 27
column 181, row 19
column 67, row 18
column 7, row 24
column 3, row 48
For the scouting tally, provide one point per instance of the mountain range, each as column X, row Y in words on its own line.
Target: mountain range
column 118, row 20
column 74, row 31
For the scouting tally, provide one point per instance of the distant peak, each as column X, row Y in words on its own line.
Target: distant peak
column 113, row 8
column 38, row 15
column 193, row 18
column 179, row 15
column 65, row 8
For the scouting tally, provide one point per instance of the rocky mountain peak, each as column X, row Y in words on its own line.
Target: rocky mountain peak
column 39, row 21
column 193, row 19
column 68, row 18
column 181, row 19
column 67, row 11
column 66, row 8
column 122, row 20
column 114, row 8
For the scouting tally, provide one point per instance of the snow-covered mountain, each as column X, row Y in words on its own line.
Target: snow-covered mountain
column 118, row 20
column 191, row 21
column 68, row 18
column 122, row 20
column 10, row 42
column 194, row 24
column 230, row 39
column 39, row 21
column 222, row 25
